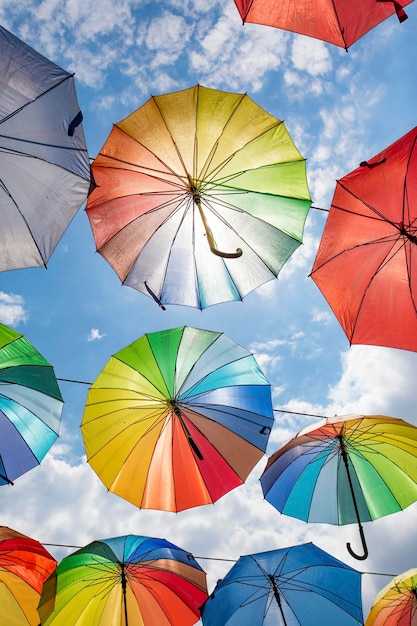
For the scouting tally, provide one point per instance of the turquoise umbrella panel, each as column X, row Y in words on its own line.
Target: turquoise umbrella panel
column 30, row 406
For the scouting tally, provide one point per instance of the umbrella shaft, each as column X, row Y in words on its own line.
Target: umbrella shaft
column 124, row 583
column 277, row 598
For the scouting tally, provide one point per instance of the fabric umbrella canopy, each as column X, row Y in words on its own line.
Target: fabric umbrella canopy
column 396, row 603
column 366, row 265
column 24, row 567
column 343, row 470
column 30, row 406
column 125, row 581
column 200, row 197
column 45, row 170
column 287, row 587
column 339, row 22
column 177, row 419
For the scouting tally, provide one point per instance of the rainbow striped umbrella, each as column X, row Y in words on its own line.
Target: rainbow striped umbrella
column 30, row 406
column 177, row 419
column 343, row 470
column 125, row 581
column 201, row 196
column 396, row 603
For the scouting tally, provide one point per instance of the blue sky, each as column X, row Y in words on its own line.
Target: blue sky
column 340, row 108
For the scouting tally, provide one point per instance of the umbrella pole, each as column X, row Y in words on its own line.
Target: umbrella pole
column 360, row 557
column 191, row 441
column 210, row 238
column 277, row 597
column 124, row 582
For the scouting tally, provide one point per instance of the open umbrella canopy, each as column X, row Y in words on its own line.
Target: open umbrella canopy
column 125, row 581
column 366, row 262
column 201, row 196
column 177, row 419
column 287, row 587
column 24, row 567
column 343, row 470
column 339, row 22
column 30, row 406
column 396, row 603
column 45, row 171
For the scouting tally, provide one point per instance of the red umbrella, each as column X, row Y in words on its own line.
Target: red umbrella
column 340, row 22
column 366, row 262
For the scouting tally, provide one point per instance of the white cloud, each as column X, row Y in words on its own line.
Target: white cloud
column 12, row 309
column 167, row 36
column 311, row 56
column 322, row 317
column 94, row 335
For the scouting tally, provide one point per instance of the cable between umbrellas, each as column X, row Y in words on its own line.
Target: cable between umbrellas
column 83, row 382
column 205, row 558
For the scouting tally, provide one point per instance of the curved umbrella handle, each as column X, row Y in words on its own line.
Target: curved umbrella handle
column 359, row 557
column 214, row 250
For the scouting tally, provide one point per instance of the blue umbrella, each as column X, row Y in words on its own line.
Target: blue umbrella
column 297, row 586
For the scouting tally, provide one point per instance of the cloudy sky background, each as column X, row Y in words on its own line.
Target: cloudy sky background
column 340, row 108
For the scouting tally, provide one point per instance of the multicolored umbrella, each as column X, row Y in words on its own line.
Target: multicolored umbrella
column 291, row 586
column 30, row 406
column 177, row 419
column 396, row 603
column 192, row 173
column 339, row 22
column 45, row 169
column 343, row 470
column 24, row 567
column 366, row 264
column 125, row 581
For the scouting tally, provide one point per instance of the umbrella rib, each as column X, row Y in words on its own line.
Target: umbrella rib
column 205, row 166
column 223, row 181
column 41, row 159
column 148, row 171
column 222, row 411
column 170, row 134
column 378, row 213
column 168, row 167
column 254, row 217
column 155, row 423
column 204, row 171
column 191, row 390
column 67, row 77
column 388, row 257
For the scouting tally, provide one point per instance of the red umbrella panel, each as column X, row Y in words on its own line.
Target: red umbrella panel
column 339, row 22
column 366, row 262
column 24, row 567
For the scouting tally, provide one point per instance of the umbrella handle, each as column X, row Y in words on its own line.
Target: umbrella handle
column 214, row 250
column 363, row 556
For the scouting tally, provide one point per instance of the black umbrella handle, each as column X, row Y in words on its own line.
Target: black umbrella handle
column 359, row 557
column 363, row 556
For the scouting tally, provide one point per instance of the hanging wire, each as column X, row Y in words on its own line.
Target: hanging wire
column 206, row 558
